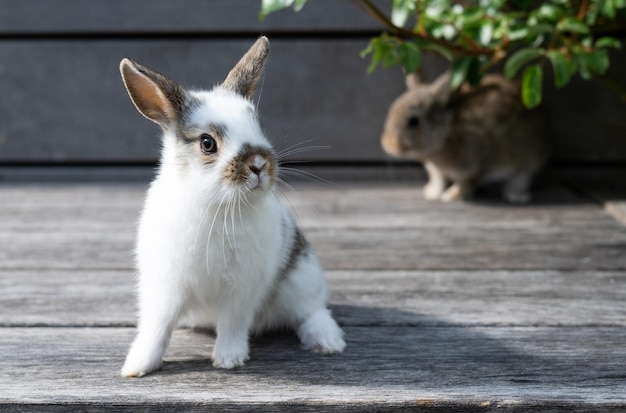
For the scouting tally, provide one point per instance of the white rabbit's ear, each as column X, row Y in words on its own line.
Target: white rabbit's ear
column 155, row 96
column 244, row 76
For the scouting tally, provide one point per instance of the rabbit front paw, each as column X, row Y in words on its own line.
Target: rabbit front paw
column 321, row 334
column 142, row 360
column 229, row 360
column 519, row 198
column 229, row 354
column 456, row 192
column 432, row 191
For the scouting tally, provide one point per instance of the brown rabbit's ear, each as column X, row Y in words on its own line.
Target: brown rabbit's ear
column 244, row 76
column 441, row 87
column 155, row 96
column 414, row 80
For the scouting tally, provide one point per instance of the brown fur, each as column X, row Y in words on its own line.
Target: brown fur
column 469, row 136
column 239, row 170
column 245, row 75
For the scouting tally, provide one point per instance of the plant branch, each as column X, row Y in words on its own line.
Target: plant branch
column 404, row 34
column 582, row 12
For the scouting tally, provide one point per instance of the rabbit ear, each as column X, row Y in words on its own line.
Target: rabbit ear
column 245, row 75
column 441, row 87
column 414, row 80
column 155, row 96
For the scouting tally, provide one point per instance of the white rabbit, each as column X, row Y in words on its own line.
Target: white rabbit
column 215, row 248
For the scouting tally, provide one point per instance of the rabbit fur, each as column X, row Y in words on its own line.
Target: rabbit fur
column 468, row 137
column 215, row 248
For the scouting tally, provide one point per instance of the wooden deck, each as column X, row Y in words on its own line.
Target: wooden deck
column 446, row 307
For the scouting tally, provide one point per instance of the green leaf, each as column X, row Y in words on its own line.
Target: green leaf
column 550, row 12
column 532, row 82
column 378, row 49
column 271, row 6
column 597, row 61
column 458, row 71
column 298, row 5
column 410, row 56
column 473, row 16
column 518, row 34
column 486, row 33
column 563, row 68
column 519, row 59
column 573, row 25
column 401, row 10
column 434, row 47
column 583, row 68
column 391, row 57
column 607, row 9
column 474, row 74
column 605, row 42
column 540, row 28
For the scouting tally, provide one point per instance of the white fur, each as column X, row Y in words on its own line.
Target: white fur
column 208, row 253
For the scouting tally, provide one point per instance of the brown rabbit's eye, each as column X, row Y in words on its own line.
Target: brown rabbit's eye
column 208, row 144
column 414, row 122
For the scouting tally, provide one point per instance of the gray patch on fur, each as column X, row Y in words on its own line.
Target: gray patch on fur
column 184, row 132
column 299, row 248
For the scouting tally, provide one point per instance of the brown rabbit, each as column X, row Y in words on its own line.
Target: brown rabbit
column 468, row 136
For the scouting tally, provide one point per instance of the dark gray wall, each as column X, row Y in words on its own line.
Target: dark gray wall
column 61, row 98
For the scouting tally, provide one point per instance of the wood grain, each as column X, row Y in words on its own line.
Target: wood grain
column 446, row 307
column 366, row 227
column 83, row 298
column 387, row 365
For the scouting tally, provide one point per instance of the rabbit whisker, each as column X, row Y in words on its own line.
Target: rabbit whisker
column 295, row 151
column 225, row 233
column 232, row 220
column 239, row 195
column 284, row 196
column 202, row 218
column 295, row 145
column 217, row 211
column 285, row 184
column 299, row 173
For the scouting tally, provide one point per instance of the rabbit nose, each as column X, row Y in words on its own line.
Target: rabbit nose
column 256, row 164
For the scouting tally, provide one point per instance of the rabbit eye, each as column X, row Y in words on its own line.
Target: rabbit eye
column 208, row 144
column 413, row 122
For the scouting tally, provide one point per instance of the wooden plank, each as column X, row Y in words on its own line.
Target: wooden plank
column 364, row 205
column 369, row 205
column 383, row 366
column 456, row 341
column 87, row 116
column 604, row 184
column 594, row 248
column 62, row 174
column 364, row 228
column 217, row 17
column 358, row 298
